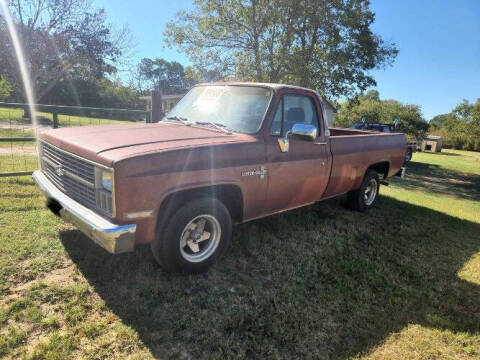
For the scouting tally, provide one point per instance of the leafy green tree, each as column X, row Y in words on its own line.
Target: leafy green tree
column 375, row 110
column 5, row 89
column 460, row 128
column 64, row 40
column 170, row 77
column 323, row 44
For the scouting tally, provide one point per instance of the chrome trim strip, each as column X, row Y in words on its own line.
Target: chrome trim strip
column 112, row 237
column 50, row 162
column 139, row 214
column 79, row 179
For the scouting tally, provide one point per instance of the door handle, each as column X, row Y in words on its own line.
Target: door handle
column 320, row 143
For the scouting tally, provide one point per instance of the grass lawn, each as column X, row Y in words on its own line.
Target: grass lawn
column 16, row 133
column 401, row 281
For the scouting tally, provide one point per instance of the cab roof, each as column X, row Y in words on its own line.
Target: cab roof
column 274, row 86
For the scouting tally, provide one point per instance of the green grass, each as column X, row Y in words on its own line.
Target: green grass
column 11, row 132
column 400, row 281
column 455, row 160
column 19, row 161
column 448, row 182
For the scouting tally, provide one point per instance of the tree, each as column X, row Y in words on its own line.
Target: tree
column 5, row 89
column 322, row 44
column 375, row 110
column 65, row 41
column 460, row 128
column 167, row 76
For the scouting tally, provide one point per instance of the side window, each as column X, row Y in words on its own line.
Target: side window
column 296, row 109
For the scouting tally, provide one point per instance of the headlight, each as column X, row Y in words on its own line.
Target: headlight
column 107, row 180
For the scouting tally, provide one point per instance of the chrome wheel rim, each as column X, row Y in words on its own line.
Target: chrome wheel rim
column 200, row 238
column 370, row 192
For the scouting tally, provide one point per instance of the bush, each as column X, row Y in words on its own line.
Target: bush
column 5, row 89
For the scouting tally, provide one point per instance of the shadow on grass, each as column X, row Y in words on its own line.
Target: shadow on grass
column 440, row 181
column 441, row 153
column 320, row 282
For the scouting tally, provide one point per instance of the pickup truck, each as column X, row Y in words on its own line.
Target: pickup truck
column 226, row 154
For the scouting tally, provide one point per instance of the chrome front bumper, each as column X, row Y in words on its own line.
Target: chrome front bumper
column 112, row 237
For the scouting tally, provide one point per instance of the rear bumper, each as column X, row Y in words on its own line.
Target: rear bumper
column 112, row 237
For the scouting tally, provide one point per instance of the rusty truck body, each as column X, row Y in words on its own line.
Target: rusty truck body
column 227, row 153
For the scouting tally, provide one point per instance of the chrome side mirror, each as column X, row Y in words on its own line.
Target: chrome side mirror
column 301, row 131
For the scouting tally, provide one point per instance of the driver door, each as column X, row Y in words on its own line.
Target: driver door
column 300, row 175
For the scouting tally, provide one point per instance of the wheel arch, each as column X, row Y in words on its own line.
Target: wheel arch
column 381, row 167
column 229, row 194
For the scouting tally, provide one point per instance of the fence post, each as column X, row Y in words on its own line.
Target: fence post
column 55, row 120
column 157, row 108
column 26, row 112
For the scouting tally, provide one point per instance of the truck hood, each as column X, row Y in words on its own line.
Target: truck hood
column 107, row 144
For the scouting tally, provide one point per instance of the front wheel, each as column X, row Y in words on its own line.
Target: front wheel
column 365, row 197
column 195, row 236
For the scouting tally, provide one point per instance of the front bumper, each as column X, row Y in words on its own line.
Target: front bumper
column 112, row 237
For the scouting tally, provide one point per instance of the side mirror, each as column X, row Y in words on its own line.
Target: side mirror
column 301, row 131
column 304, row 131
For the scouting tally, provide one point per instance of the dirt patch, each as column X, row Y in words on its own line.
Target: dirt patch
column 60, row 276
column 26, row 150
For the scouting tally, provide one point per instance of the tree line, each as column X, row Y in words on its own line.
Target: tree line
column 75, row 57
column 372, row 109
column 460, row 128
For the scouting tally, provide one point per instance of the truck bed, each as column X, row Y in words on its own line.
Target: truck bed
column 353, row 149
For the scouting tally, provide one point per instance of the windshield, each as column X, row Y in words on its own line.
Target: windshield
column 235, row 108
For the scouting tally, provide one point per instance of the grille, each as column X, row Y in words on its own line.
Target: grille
column 74, row 177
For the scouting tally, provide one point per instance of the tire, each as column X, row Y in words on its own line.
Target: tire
column 194, row 237
column 366, row 196
column 408, row 155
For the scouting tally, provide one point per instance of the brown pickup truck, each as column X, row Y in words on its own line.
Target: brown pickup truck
column 227, row 153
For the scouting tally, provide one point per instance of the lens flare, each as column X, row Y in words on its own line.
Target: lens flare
column 22, row 64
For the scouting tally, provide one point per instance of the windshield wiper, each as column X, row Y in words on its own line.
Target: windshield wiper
column 215, row 125
column 177, row 118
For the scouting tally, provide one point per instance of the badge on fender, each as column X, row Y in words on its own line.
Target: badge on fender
column 262, row 172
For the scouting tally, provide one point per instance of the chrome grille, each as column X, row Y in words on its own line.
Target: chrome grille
column 73, row 165
column 74, row 177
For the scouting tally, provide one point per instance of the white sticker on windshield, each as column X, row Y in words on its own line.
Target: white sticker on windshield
column 208, row 100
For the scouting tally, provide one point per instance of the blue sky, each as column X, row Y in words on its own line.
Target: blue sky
column 439, row 41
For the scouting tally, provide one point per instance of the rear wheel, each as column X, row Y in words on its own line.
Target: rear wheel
column 194, row 237
column 366, row 196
